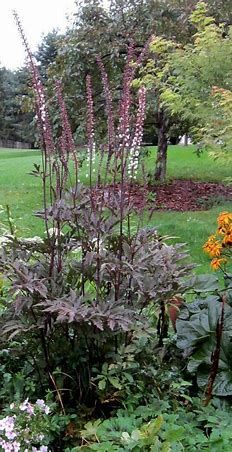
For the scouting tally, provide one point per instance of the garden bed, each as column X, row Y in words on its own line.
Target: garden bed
column 184, row 195
column 178, row 195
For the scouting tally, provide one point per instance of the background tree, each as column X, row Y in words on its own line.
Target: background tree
column 97, row 30
column 218, row 130
column 155, row 76
column 1, row 98
column 48, row 51
column 199, row 67
column 16, row 122
column 107, row 32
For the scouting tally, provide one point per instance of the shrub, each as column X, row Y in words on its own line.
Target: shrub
column 77, row 296
column 76, row 319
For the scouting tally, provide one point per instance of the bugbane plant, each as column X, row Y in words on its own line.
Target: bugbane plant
column 77, row 296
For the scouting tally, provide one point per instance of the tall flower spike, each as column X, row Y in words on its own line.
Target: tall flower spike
column 67, row 138
column 67, row 145
column 129, row 74
column 41, row 108
column 124, row 108
column 138, row 135
column 109, row 106
column 142, row 54
column 90, row 126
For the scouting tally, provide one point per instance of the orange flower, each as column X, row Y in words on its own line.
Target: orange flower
column 218, row 247
column 227, row 241
column 216, row 263
column 213, row 247
column 224, row 222
column 221, row 230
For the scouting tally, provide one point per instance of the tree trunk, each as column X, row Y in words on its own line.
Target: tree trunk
column 161, row 159
column 186, row 140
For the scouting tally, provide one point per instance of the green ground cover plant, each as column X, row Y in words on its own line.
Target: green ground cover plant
column 140, row 430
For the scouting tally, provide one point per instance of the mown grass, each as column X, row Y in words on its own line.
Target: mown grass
column 192, row 228
column 19, row 190
column 184, row 163
column 22, row 192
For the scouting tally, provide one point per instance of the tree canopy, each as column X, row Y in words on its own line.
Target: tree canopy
column 107, row 32
column 199, row 88
column 16, row 123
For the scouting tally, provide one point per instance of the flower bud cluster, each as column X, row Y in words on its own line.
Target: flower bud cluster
column 67, row 143
column 125, row 104
column 91, row 146
column 41, row 107
column 138, row 136
column 109, row 106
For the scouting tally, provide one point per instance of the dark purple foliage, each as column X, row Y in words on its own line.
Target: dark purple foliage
column 80, row 293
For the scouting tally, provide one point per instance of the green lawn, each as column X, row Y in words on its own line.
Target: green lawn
column 23, row 194
column 192, row 228
column 19, row 190
column 184, row 163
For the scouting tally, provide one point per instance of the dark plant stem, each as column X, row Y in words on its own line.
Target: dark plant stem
column 215, row 355
column 162, row 326
column 43, row 343
column 48, row 364
column 38, row 371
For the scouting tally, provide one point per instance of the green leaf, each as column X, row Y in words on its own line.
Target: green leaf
column 174, row 434
column 115, row 382
column 166, row 447
column 204, row 283
column 102, row 385
column 198, row 334
column 90, row 430
column 129, row 377
column 105, row 446
column 152, row 428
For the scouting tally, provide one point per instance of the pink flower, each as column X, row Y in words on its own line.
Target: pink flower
column 16, row 446
column 27, row 406
column 10, row 434
column 7, row 423
column 41, row 404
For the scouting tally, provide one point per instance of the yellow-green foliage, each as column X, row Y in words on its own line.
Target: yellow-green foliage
column 156, row 74
column 199, row 17
column 190, row 90
column 219, row 128
column 184, row 79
